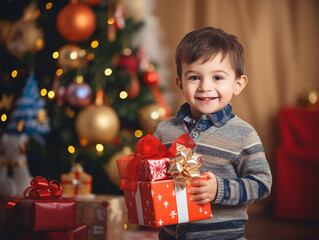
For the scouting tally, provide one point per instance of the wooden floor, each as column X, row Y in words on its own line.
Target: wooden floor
column 265, row 227
column 260, row 226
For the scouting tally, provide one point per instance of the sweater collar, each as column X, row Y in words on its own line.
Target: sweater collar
column 217, row 119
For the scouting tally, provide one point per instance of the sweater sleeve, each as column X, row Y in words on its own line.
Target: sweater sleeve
column 254, row 176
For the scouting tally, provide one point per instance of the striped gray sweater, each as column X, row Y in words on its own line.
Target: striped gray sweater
column 232, row 150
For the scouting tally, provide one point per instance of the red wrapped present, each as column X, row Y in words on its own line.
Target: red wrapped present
column 80, row 233
column 42, row 209
column 164, row 202
column 154, row 169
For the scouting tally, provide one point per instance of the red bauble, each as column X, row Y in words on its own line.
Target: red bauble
column 76, row 22
column 151, row 78
column 129, row 63
column 78, row 94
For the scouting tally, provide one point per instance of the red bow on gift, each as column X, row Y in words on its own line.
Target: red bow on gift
column 147, row 147
column 39, row 189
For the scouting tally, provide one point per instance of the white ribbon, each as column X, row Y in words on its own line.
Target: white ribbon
column 181, row 202
column 139, row 206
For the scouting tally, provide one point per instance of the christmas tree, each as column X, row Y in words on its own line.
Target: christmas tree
column 99, row 82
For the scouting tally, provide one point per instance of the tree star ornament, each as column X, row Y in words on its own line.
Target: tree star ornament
column 185, row 165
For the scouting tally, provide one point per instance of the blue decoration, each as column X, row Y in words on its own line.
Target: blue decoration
column 30, row 116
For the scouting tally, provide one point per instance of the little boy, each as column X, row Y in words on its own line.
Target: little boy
column 210, row 66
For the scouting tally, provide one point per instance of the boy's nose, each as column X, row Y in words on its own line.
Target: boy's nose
column 205, row 85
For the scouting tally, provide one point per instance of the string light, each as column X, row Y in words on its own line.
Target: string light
column 71, row 149
column 99, row 147
column 108, row 71
column 84, row 142
column 123, row 95
column 20, row 125
column 51, row 94
column 39, row 44
column 43, row 92
column 110, row 20
column 4, row 117
column 48, row 5
column 55, row 55
column 94, row 44
column 59, row 72
column 14, row 73
column 90, row 56
column 138, row 133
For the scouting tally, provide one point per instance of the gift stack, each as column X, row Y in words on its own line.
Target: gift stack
column 76, row 183
column 155, row 182
column 43, row 214
column 104, row 216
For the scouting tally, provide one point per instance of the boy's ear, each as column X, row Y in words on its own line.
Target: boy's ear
column 240, row 84
column 179, row 83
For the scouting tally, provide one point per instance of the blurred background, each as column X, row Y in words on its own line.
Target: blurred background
column 65, row 69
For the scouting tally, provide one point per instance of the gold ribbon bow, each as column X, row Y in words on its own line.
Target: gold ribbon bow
column 185, row 165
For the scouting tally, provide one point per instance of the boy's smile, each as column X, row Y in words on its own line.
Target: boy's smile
column 208, row 87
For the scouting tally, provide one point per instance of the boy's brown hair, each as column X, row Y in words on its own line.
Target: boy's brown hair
column 205, row 43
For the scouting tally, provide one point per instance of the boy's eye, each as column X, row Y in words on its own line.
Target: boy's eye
column 218, row 78
column 193, row 78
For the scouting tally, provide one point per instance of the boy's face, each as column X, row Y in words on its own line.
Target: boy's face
column 208, row 87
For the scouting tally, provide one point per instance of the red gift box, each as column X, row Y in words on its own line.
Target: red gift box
column 42, row 215
column 154, row 169
column 158, row 203
column 80, row 233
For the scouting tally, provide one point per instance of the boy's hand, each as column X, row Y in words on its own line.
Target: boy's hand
column 204, row 191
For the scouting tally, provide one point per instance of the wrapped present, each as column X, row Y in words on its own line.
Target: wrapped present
column 149, row 148
column 154, row 169
column 42, row 208
column 80, row 233
column 104, row 216
column 76, row 183
column 164, row 202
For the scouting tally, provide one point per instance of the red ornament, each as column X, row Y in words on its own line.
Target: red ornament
column 129, row 63
column 76, row 22
column 78, row 94
column 151, row 78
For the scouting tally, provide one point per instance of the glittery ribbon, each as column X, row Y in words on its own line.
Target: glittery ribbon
column 39, row 189
column 185, row 165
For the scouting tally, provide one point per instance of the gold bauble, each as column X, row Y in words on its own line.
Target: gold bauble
column 97, row 124
column 134, row 9
column 5, row 26
column 110, row 167
column 71, row 56
column 150, row 116
column 24, row 37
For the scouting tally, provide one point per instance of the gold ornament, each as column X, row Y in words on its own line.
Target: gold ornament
column 71, row 56
column 97, row 124
column 134, row 9
column 150, row 116
column 24, row 37
column 110, row 167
